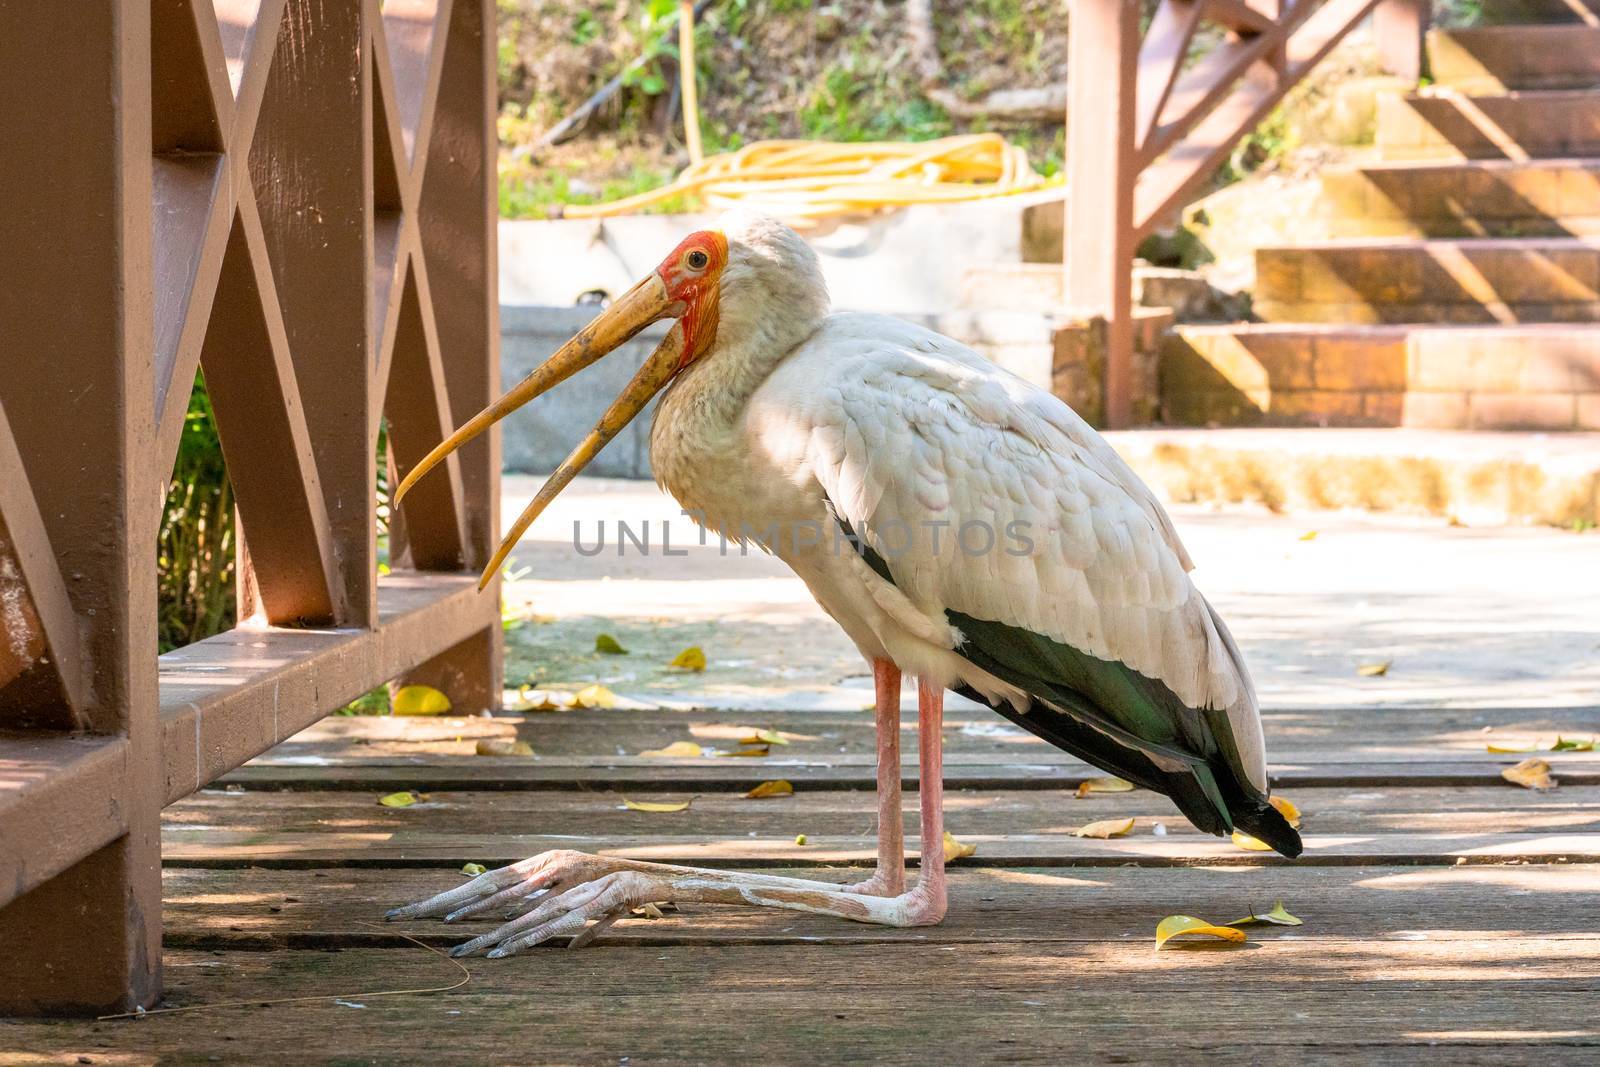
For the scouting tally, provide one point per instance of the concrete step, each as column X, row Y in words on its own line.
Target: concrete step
column 1489, row 280
column 1464, row 198
column 1542, row 124
column 1476, row 478
column 1442, row 377
column 1486, row 60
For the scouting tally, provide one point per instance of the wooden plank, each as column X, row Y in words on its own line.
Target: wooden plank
column 1342, row 732
column 230, row 697
column 258, row 908
column 1281, row 1001
column 406, row 848
column 435, row 773
column 1486, row 809
column 72, row 784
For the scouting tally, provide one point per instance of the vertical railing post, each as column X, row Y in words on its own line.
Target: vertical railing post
column 458, row 216
column 1101, row 169
column 1399, row 29
column 77, row 390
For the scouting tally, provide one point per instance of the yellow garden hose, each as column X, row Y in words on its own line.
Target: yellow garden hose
column 816, row 179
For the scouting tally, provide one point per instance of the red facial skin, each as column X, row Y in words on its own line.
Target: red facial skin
column 696, row 289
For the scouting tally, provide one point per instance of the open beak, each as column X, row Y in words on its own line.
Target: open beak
column 645, row 303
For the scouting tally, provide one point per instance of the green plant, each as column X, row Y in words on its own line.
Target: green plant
column 195, row 545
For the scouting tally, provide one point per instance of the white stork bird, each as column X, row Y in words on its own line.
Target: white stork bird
column 962, row 526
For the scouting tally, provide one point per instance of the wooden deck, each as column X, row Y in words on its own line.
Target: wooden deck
column 1445, row 909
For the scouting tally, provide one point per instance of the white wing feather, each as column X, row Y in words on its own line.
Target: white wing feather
column 907, row 428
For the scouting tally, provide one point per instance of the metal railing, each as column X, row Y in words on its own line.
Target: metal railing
column 1147, row 126
column 299, row 198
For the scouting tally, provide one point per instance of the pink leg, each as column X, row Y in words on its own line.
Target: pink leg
column 889, row 880
column 930, row 744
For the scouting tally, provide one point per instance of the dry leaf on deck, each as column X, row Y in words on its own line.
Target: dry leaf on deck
column 656, row 805
column 472, row 870
column 501, row 746
column 1248, row 843
column 607, row 645
column 1104, row 828
column 402, row 799
column 1309, row 535
column 1375, row 670
column 780, row 788
column 1531, row 773
column 1505, row 748
column 764, row 737
column 755, row 751
column 1278, row 916
column 1103, row 785
column 544, row 700
column 420, row 700
column 676, row 750
column 1570, row 745
column 692, row 658
column 595, row 696
column 1288, row 809
column 1179, row 925
column 956, row 850
column 648, row 911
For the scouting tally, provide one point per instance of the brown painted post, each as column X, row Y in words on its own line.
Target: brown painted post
column 1100, row 240
column 1399, row 28
column 75, row 283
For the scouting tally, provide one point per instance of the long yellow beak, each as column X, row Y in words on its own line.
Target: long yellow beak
column 633, row 311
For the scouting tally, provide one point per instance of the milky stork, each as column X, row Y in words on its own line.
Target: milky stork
column 962, row 526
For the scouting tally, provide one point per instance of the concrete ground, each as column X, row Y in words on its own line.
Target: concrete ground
column 1490, row 616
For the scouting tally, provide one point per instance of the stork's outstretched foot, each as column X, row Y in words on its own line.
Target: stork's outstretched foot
column 563, row 891
column 569, row 890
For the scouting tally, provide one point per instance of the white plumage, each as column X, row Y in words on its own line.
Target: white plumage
column 903, row 429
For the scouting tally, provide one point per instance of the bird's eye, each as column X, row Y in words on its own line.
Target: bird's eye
column 697, row 260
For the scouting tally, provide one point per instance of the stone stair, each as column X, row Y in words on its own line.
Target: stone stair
column 1459, row 287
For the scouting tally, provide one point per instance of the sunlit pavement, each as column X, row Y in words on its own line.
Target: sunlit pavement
column 1491, row 616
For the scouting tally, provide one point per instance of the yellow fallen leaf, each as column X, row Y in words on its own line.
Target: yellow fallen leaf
column 1531, row 773
column 1375, row 670
column 779, row 788
column 403, row 799
column 595, row 696
column 1104, row 828
column 692, row 658
column 1504, row 748
column 1248, row 843
column 956, row 850
column 1181, row 925
column 676, row 750
column 800, row 839
column 1278, row 916
column 420, row 700
column 754, row 751
column 472, row 870
column 648, row 911
column 1309, row 535
column 544, row 700
column 607, row 645
column 1103, row 785
column 500, row 746
column 764, row 737
column 656, row 805
column 1287, row 809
